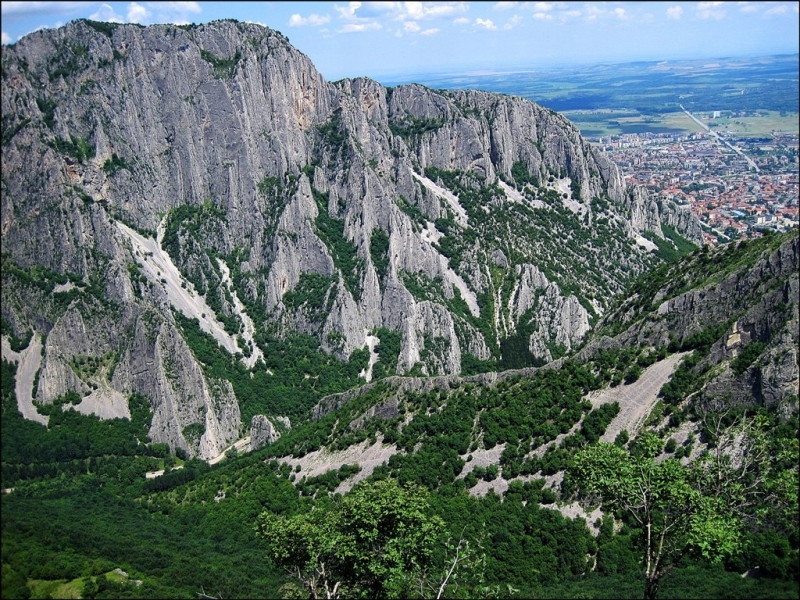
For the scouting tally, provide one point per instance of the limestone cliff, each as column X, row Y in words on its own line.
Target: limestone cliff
column 211, row 170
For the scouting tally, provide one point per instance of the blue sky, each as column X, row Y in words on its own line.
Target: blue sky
column 349, row 39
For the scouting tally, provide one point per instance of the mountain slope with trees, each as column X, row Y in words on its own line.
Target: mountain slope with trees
column 214, row 236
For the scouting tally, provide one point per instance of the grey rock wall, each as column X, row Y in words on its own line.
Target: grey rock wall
column 130, row 124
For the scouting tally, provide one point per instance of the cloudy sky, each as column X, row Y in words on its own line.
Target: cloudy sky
column 348, row 39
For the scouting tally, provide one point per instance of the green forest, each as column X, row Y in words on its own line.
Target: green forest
column 222, row 530
column 81, row 517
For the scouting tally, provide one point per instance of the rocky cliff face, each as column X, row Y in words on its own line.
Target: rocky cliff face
column 459, row 220
column 738, row 299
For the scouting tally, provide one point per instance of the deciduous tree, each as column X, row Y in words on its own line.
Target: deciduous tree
column 372, row 544
column 699, row 509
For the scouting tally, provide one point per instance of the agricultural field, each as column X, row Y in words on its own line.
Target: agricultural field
column 596, row 123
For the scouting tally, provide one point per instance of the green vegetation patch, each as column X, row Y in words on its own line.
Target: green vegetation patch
column 411, row 128
column 314, row 292
column 224, row 68
column 379, row 251
column 114, row 164
column 294, row 374
column 344, row 253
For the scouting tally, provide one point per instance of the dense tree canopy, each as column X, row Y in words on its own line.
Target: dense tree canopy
column 372, row 544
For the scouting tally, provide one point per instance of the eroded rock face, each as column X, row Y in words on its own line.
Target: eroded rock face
column 282, row 175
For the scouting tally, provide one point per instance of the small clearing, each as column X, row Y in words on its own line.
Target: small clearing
column 105, row 402
column 514, row 195
column 159, row 473
column 430, row 234
column 575, row 511
column 447, row 195
column 562, row 186
column 643, row 241
column 321, row 461
column 575, row 206
column 481, row 458
column 372, row 343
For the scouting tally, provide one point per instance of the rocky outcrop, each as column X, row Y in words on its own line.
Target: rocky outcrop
column 190, row 411
column 262, row 432
column 754, row 299
column 537, row 304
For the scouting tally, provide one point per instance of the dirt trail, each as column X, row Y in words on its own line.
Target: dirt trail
column 242, row 445
column 372, row 343
column 249, row 328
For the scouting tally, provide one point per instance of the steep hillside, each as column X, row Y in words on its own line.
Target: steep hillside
column 732, row 347
column 169, row 189
column 493, row 456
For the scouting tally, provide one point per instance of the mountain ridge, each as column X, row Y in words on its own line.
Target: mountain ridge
column 480, row 229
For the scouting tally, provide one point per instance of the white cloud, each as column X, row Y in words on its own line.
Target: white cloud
column 181, row 7
column 172, row 12
column 593, row 12
column 505, row 5
column 360, row 27
column 419, row 10
column 569, row 14
column 542, row 6
column 106, row 13
column 313, row 19
column 21, row 9
column 485, row 23
column 349, row 11
column 782, row 9
column 6, row 38
column 748, row 7
column 513, row 22
column 675, row 13
column 400, row 11
column 148, row 12
column 711, row 10
column 412, row 27
column 137, row 13
column 370, row 16
column 600, row 11
column 543, row 16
